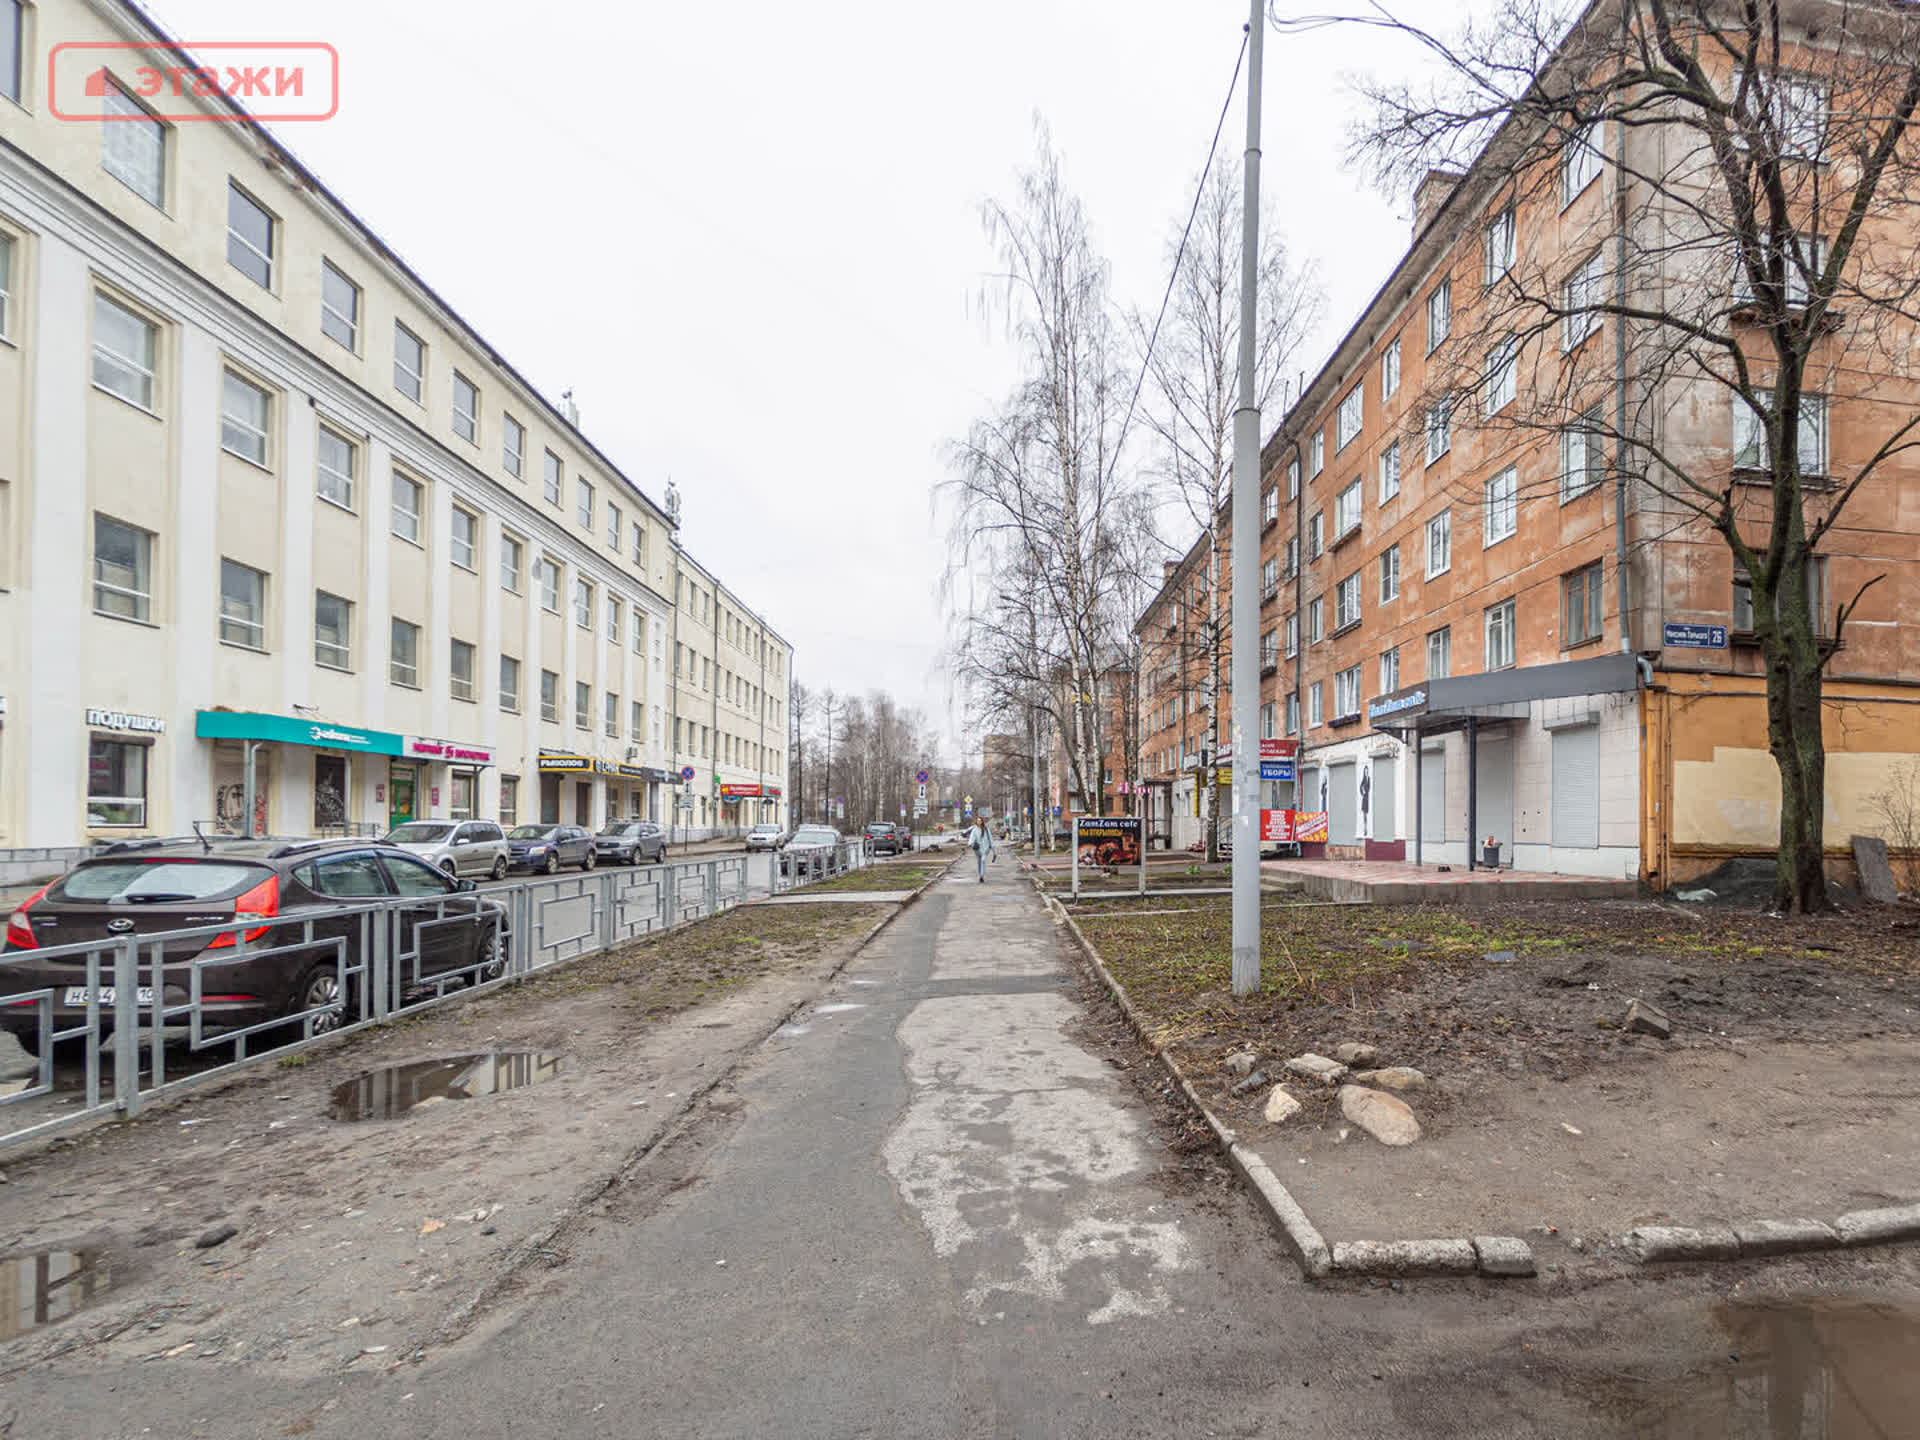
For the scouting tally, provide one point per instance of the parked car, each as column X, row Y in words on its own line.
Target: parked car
column 765, row 837
column 631, row 842
column 147, row 887
column 812, row 837
column 883, row 838
column 459, row 847
column 548, row 847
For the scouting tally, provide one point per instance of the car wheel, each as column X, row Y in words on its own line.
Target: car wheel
column 486, row 956
column 499, row 871
column 447, row 867
column 592, row 859
column 319, row 987
column 552, row 867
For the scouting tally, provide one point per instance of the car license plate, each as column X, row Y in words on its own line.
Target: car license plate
column 77, row 995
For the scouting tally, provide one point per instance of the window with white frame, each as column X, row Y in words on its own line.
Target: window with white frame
column 332, row 631
column 513, row 444
column 460, row 669
column 409, row 363
column 637, row 721
column 1269, row 506
column 1316, row 620
column 122, row 570
column 1316, row 534
column 1440, row 544
column 1389, row 472
column 1317, row 453
column 244, row 412
column 403, row 663
column 1293, row 713
column 1585, row 291
column 510, row 684
column 1390, row 371
column 1582, row 598
column 339, row 307
column 335, row 468
column 552, row 478
column 1269, row 578
column 135, row 150
column 639, row 543
column 1439, row 314
column 466, row 408
column 509, row 801
column 582, row 705
column 1291, row 630
column 464, row 538
column 1742, row 616
column 1800, row 109
column 1502, row 513
column 614, row 531
column 6, row 281
column 1583, row 458
column 1390, row 573
column 1346, row 693
column 1389, row 670
column 639, row 625
column 613, row 618
column 1351, row 418
column 1346, row 511
column 1499, row 245
column 243, row 605
column 1316, row 713
column 1293, row 478
column 1803, row 260
column 1440, row 653
column 1269, row 650
column 1439, row 429
column 583, row 502
column 250, row 227
column 1497, row 383
column 13, row 47
column 582, row 603
column 1346, row 602
column 1580, row 162
column 116, row 779
column 510, row 553
column 550, row 696
column 1753, row 451
column 549, row 575
column 1269, row 717
column 1500, row 636
column 125, row 347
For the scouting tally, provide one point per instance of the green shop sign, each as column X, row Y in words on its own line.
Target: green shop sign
column 294, row 730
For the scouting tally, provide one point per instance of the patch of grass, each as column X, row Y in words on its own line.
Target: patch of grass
column 292, row 1062
column 904, row 875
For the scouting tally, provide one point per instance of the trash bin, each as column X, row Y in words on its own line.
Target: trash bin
column 1490, row 854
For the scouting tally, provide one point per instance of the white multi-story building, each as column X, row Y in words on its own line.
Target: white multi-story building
column 280, row 531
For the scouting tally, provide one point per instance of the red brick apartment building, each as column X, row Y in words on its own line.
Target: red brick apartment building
column 1442, row 620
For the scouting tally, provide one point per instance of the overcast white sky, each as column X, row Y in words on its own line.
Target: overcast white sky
column 746, row 235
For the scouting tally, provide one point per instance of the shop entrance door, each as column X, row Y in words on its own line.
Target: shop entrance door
column 582, row 803
column 402, row 781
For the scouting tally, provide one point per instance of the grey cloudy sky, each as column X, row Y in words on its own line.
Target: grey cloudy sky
column 746, row 235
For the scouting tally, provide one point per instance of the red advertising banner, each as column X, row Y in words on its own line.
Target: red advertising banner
column 1310, row 825
column 1276, row 827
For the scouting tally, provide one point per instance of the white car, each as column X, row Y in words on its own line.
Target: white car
column 473, row 849
column 764, row 837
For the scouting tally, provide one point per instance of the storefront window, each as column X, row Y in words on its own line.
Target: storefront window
column 463, row 794
column 116, row 783
column 509, row 801
column 329, row 793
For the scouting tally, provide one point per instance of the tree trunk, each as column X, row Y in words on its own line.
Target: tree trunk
column 1795, row 738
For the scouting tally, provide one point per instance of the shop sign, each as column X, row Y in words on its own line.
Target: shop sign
column 565, row 764
column 1403, row 702
column 293, row 730
column 422, row 748
column 1107, row 839
column 1282, row 827
column 739, row 792
column 1276, row 770
column 101, row 719
column 1309, row 825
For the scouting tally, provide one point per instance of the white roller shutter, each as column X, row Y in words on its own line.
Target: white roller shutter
column 1343, row 804
column 1576, row 787
column 1433, row 796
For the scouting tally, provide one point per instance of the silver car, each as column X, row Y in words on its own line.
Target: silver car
column 465, row 849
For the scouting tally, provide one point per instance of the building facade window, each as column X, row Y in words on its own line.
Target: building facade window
column 1581, row 599
column 1390, row 472
column 332, row 631
column 335, row 468
column 1439, row 429
column 135, row 151
column 1390, row 371
column 403, row 666
column 610, row 718
column 1500, row 637
column 1742, row 615
column 1346, row 602
column 550, row 697
column 245, row 410
column 1316, row 534
column 460, row 669
column 1293, row 478
column 1583, row 293
column 639, row 631
column 1291, row 630
column 1752, row 449
column 1293, row 713
column 1502, row 506
column 466, row 408
column 582, row 603
column 1582, row 456
column 1390, row 670
column 614, row 532
column 1346, row 511
column 116, row 783
column 1315, row 707
column 513, row 445
column 250, row 227
column 1318, row 452
column 339, row 307
column 1440, row 653
column 1352, row 417
column 13, row 47
column 1500, row 378
column 583, row 498
column 6, row 278
column 582, row 705
column 1439, row 315
column 1440, row 544
column 1346, row 693
column 1269, row 577
column 613, row 618
column 122, row 570
column 1500, row 246
column 464, row 538
column 409, row 363
column 406, row 507
column 551, row 474
column 549, row 585
column 510, row 684
column 509, row 801
column 243, row 605
column 1580, row 163
column 1316, row 620
column 125, row 352
column 1390, row 574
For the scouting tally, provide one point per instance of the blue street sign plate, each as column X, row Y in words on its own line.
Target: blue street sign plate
column 1695, row 637
column 1276, row 770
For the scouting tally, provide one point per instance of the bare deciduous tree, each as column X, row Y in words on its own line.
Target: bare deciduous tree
column 1755, row 276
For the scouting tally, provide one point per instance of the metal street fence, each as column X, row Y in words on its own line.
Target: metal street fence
column 115, row 1022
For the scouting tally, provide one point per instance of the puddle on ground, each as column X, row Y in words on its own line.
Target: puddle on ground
column 837, row 1007
column 48, row 1286
column 400, row 1089
column 1827, row 1368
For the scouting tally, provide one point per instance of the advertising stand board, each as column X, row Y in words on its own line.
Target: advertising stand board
column 1108, row 841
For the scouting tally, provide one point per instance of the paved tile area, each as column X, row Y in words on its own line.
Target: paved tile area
column 1399, row 882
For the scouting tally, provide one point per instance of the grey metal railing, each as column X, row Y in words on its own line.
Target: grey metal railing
column 385, row 956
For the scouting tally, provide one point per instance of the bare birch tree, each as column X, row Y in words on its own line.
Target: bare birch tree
column 1754, row 277
column 1193, row 366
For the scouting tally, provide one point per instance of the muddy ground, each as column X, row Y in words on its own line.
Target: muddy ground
column 358, row 1243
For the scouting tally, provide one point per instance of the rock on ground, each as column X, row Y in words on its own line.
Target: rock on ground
column 1387, row 1118
column 1356, row 1054
column 1318, row 1067
column 1281, row 1106
column 1394, row 1077
column 1876, row 871
column 1242, row 1063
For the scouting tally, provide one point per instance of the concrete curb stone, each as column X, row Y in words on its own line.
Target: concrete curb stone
column 1405, row 1257
column 1784, row 1237
column 1874, row 1227
column 1648, row 1243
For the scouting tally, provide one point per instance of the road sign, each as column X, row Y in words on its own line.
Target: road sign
column 920, row 777
column 686, row 772
column 1695, row 637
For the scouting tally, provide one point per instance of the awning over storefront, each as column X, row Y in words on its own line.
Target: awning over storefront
column 1450, row 702
column 295, row 730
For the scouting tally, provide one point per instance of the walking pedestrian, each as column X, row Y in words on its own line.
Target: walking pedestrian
column 980, row 838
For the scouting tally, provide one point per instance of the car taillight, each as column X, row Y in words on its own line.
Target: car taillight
column 263, row 899
column 20, row 928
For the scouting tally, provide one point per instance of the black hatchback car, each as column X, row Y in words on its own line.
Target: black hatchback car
column 883, row 837
column 144, row 888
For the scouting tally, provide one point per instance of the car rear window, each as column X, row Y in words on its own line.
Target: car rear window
column 151, row 879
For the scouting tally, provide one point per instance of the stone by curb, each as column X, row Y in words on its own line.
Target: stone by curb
column 1784, row 1237
column 1503, row 1256
column 1649, row 1243
column 1874, row 1227
column 1404, row 1257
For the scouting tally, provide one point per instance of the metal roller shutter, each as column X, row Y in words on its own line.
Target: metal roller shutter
column 1343, row 804
column 1433, row 796
column 1576, row 787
